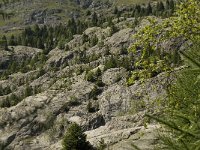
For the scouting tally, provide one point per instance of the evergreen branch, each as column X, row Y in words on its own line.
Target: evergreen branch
column 171, row 126
column 194, row 62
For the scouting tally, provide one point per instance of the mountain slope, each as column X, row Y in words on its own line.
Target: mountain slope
column 15, row 15
column 70, row 90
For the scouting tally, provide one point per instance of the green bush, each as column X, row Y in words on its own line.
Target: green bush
column 93, row 76
column 90, row 108
column 90, row 76
column 73, row 101
column 95, row 92
column 101, row 145
column 75, row 139
column 111, row 63
column 99, row 83
column 182, row 108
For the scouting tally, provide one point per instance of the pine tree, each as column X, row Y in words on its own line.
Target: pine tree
column 90, row 109
column 40, row 43
column 94, row 19
column 142, row 12
column 85, row 38
column 94, row 40
column 5, row 43
column 111, row 63
column 75, row 139
column 1, row 91
column 137, row 11
column 36, row 29
column 28, row 91
column 19, row 41
column 5, row 103
column 167, row 5
column 148, row 9
column 98, row 72
column 61, row 44
column 13, row 99
column 171, row 5
column 161, row 7
column 12, row 41
column 115, row 10
column 88, row 13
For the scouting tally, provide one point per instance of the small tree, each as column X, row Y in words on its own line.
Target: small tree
column 40, row 44
column 61, row 44
column 98, row 72
column 94, row 19
column 90, row 108
column 12, row 41
column 148, row 9
column 75, row 139
column 90, row 76
column 101, row 145
column 28, row 91
column 4, row 43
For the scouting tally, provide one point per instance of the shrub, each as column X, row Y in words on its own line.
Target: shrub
column 95, row 92
column 100, row 83
column 75, row 139
column 90, row 76
column 101, row 145
column 111, row 63
column 73, row 101
column 93, row 76
column 90, row 108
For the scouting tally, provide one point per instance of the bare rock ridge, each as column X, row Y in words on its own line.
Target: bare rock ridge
column 39, row 120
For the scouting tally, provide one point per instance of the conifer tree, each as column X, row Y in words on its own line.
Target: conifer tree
column 94, row 19
column 171, row 4
column 40, row 43
column 161, row 6
column 12, row 41
column 28, row 91
column 116, row 10
column 5, row 43
column 19, row 41
column 148, row 9
column 94, row 40
column 75, row 139
column 137, row 11
column 167, row 4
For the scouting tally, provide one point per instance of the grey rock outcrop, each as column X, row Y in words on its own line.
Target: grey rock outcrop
column 120, row 40
column 113, row 75
column 17, row 53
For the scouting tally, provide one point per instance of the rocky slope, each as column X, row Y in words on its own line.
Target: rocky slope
column 39, row 120
column 15, row 15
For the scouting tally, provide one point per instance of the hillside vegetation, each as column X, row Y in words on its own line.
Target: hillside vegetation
column 14, row 15
column 99, row 75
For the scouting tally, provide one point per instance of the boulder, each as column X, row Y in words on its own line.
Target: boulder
column 119, row 40
column 113, row 75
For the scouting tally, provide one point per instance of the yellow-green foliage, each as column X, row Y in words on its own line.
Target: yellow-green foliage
column 184, row 24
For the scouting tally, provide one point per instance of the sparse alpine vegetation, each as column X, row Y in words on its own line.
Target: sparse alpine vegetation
column 99, row 75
